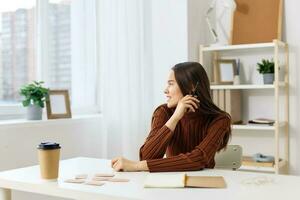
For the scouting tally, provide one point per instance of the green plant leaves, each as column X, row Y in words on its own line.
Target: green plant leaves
column 26, row 102
column 265, row 66
column 34, row 93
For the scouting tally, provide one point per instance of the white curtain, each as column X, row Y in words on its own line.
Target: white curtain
column 83, row 37
column 126, row 80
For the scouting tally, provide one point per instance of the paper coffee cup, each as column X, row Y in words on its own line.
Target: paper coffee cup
column 48, row 154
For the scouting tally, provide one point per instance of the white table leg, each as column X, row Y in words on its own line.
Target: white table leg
column 5, row 194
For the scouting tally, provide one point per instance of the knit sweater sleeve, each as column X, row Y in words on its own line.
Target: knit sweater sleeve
column 200, row 156
column 158, row 139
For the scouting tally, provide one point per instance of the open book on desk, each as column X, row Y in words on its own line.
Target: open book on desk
column 181, row 180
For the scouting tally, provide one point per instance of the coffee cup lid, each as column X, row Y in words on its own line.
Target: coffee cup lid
column 48, row 145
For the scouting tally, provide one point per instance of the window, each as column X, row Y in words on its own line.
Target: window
column 15, row 49
column 49, row 40
column 59, row 33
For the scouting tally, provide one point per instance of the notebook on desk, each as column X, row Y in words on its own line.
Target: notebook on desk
column 181, row 180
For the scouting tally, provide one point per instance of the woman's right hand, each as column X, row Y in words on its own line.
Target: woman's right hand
column 187, row 104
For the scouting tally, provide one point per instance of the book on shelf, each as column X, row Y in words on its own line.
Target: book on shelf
column 215, row 97
column 229, row 101
column 249, row 161
column 262, row 121
column 233, row 105
column 221, row 102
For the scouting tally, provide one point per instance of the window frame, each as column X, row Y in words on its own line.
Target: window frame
column 16, row 111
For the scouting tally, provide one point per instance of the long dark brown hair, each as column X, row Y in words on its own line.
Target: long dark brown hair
column 191, row 78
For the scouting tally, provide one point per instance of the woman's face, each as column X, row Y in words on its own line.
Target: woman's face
column 172, row 91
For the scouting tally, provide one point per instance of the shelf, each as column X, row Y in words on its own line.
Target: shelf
column 248, row 86
column 255, row 168
column 253, row 127
column 257, row 127
column 241, row 46
column 282, row 163
column 229, row 97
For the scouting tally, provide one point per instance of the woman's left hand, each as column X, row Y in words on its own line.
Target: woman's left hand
column 122, row 164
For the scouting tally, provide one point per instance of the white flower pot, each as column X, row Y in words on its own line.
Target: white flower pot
column 34, row 112
column 268, row 78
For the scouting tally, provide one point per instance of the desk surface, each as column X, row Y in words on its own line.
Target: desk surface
column 240, row 185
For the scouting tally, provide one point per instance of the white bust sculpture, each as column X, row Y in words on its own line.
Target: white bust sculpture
column 223, row 18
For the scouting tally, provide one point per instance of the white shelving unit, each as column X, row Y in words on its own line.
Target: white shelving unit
column 280, row 128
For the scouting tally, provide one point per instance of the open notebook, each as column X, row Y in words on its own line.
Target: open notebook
column 181, row 180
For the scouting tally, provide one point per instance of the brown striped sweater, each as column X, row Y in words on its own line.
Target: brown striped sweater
column 186, row 148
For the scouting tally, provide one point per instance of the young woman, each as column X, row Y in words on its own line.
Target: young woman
column 186, row 132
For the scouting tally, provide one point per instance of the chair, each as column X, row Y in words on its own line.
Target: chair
column 230, row 158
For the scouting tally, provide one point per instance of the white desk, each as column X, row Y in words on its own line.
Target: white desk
column 239, row 184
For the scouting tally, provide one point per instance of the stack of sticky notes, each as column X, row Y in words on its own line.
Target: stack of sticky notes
column 181, row 180
column 97, row 179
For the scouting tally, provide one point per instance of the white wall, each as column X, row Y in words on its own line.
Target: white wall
column 197, row 28
column 177, row 27
column 78, row 137
column 291, row 36
column 169, row 41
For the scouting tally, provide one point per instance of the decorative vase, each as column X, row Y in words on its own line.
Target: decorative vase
column 34, row 112
column 236, row 80
column 268, row 78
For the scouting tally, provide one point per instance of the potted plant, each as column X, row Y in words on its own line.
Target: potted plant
column 35, row 96
column 266, row 68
